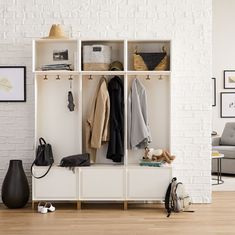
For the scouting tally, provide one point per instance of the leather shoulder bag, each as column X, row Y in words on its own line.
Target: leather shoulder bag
column 76, row 160
column 44, row 157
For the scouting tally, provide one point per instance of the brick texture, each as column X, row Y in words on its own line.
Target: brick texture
column 187, row 23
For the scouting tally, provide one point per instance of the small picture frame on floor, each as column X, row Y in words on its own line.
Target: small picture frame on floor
column 12, row 84
column 227, row 104
column 229, row 79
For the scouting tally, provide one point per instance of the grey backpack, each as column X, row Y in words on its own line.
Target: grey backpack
column 177, row 199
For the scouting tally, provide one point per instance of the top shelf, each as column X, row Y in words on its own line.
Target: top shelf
column 69, row 54
column 55, row 41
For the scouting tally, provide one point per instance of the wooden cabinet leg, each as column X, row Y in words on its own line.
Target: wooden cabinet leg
column 125, row 205
column 79, row 205
column 33, row 203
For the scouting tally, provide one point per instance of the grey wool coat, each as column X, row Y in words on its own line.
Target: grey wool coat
column 138, row 131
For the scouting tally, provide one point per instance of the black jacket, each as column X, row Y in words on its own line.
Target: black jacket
column 116, row 140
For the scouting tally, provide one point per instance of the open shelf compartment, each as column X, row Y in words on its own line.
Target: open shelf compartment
column 54, row 121
column 89, row 86
column 158, row 95
column 117, row 49
column 147, row 46
column 54, row 51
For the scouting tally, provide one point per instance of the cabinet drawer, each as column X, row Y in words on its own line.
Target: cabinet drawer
column 148, row 183
column 102, row 184
column 58, row 184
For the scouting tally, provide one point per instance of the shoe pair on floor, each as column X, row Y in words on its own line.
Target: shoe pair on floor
column 44, row 207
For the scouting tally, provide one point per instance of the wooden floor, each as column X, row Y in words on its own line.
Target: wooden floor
column 100, row 219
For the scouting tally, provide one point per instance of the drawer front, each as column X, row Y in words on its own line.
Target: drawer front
column 58, row 184
column 102, row 184
column 148, row 183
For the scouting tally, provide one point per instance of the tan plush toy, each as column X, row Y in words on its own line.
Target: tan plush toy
column 158, row 155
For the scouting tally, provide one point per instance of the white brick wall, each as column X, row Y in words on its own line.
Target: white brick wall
column 186, row 22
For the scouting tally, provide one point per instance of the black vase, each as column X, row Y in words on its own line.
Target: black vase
column 15, row 188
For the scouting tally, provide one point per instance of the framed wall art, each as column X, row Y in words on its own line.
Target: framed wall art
column 59, row 55
column 229, row 79
column 12, row 84
column 213, row 92
column 227, row 104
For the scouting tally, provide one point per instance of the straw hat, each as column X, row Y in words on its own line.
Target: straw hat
column 56, row 32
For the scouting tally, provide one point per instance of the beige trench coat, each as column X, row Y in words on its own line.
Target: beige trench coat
column 97, row 124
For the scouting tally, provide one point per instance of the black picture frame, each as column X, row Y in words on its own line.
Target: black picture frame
column 213, row 92
column 60, row 55
column 227, row 84
column 227, row 107
column 10, row 76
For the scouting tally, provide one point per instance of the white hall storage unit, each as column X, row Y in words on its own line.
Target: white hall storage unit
column 64, row 130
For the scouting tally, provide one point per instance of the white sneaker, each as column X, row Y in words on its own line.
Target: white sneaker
column 44, row 210
column 47, row 208
column 41, row 205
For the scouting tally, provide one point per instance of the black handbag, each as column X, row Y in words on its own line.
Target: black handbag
column 151, row 61
column 76, row 160
column 44, row 157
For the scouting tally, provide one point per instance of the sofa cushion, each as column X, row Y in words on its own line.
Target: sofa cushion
column 228, row 136
column 228, row 151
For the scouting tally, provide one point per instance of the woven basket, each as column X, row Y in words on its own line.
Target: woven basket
column 95, row 67
column 158, row 61
column 96, row 57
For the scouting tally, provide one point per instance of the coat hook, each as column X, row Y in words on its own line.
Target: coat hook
column 45, row 77
column 58, row 77
column 105, row 78
column 70, row 77
column 90, row 77
column 148, row 77
column 160, row 77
